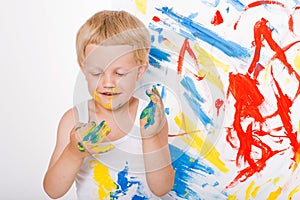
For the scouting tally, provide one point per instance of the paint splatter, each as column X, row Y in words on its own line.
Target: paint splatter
column 190, row 171
column 217, row 19
column 106, row 185
column 218, row 104
column 141, row 5
column 156, row 55
column 198, row 31
column 196, row 140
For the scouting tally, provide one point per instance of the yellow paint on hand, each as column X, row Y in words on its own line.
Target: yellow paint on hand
column 141, row 5
column 196, row 141
column 293, row 192
column 106, row 185
column 274, row 195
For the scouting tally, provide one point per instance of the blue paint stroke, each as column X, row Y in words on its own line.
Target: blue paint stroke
column 93, row 135
column 239, row 6
column 190, row 86
column 196, row 107
column 189, row 172
column 193, row 15
column 194, row 100
column 124, row 183
column 156, row 55
column 228, row 47
column 211, row 3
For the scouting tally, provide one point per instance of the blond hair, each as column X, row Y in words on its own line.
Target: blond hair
column 114, row 28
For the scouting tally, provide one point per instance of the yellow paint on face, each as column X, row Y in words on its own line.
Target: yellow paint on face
column 196, row 141
column 293, row 192
column 274, row 195
column 141, row 5
column 106, row 185
column 95, row 96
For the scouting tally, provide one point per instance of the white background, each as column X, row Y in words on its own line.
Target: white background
column 38, row 74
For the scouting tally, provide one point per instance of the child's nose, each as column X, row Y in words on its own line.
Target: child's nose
column 108, row 80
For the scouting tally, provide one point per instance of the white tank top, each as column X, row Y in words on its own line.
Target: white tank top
column 118, row 173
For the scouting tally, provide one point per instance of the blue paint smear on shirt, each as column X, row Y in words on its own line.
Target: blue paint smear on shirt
column 187, row 170
column 239, row 6
column 124, row 183
column 156, row 55
column 228, row 47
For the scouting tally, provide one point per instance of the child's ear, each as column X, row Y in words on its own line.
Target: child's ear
column 141, row 71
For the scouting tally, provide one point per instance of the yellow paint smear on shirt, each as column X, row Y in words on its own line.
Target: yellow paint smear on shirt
column 106, row 185
column 274, row 195
column 141, row 5
column 196, row 141
column 293, row 192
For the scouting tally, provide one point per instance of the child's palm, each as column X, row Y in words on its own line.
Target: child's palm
column 152, row 118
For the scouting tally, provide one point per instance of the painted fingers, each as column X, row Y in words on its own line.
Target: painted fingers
column 152, row 117
column 91, row 136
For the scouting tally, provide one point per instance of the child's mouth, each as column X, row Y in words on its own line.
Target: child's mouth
column 110, row 93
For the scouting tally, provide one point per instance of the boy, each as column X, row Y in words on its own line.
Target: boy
column 114, row 145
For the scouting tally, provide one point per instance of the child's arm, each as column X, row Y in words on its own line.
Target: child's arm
column 65, row 161
column 158, row 165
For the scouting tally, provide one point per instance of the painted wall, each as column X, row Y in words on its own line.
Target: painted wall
column 38, row 73
column 231, row 74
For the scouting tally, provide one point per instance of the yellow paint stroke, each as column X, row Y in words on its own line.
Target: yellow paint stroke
column 232, row 196
column 297, row 158
column 293, row 192
column 274, row 195
column 299, row 127
column 195, row 140
column 297, row 60
column 106, row 185
column 276, row 181
column 255, row 191
column 208, row 62
column 249, row 189
column 141, row 5
column 170, row 45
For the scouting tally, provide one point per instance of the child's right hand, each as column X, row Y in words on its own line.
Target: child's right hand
column 86, row 138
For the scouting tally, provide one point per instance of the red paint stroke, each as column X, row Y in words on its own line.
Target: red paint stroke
column 218, row 105
column 218, row 19
column 261, row 33
column 291, row 21
column 156, row 19
column 256, row 4
column 198, row 78
column 284, row 103
column 185, row 47
column 182, row 134
column 248, row 99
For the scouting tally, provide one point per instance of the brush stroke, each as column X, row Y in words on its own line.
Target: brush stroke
column 230, row 48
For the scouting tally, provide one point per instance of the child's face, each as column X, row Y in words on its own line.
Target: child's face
column 112, row 74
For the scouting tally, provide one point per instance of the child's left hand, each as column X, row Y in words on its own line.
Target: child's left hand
column 152, row 118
